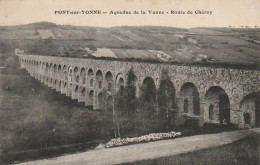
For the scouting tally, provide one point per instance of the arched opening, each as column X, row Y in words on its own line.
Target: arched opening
column 91, row 82
column 59, row 75
column 59, row 83
column 75, row 74
column 70, row 70
column 148, row 90
column 217, row 97
column 166, row 95
column 46, row 68
column 211, row 112
column 55, row 68
column 121, row 86
column 51, row 69
column 109, row 103
column 100, row 100
column 70, row 74
column 91, row 97
column 77, row 79
column 247, row 118
column 65, row 84
column 186, row 106
column 99, row 78
column 83, row 76
column 83, row 92
column 76, row 89
column 90, row 77
column 250, row 108
column 64, row 70
column 190, row 92
column 59, row 68
column 109, row 81
column 166, row 102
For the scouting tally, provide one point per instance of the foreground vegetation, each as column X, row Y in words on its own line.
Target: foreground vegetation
column 244, row 151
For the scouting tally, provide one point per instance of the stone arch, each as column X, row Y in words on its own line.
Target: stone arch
column 75, row 74
column 47, row 68
column 59, row 84
column 100, row 100
column 121, row 86
column 64, row 72
column 70, row 74
column 99, row 79
column 51, row 70
column 91, row 77
column 64, row 68
column 70, row 69
column 77, row 78
column 217, row 97
column 91, row 97
column 76, row 89
column 59, row 69
column 120, row 83
column 55, row 68
column 166, row 95
column 109, row 81
column 83, row 76
column 75, row 70
column 190, row 92
column 109, row 103
column 250, row 108
column 83, row 92
column 148, row 90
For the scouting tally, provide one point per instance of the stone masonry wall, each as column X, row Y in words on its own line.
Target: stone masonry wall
column 64, row 75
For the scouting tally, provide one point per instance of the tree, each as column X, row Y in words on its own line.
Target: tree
column 166, row 102
column 148, row 107
column 131, row 102
column 126, row 105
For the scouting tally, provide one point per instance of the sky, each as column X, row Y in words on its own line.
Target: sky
column 235, row 13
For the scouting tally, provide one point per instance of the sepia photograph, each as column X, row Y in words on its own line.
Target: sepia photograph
column 129, row 82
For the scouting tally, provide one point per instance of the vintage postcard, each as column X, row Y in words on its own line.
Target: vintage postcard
column 144, row 82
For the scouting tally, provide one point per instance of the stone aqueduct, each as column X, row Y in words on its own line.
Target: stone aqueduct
column 216, row 90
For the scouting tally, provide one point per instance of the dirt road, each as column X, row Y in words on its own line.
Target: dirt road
column 144, row 151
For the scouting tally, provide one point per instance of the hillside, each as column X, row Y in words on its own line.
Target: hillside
column 196, row 45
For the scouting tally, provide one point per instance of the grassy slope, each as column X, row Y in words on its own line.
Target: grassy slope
column 220, row 44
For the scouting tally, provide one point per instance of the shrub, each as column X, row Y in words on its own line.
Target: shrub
column 191, row 124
